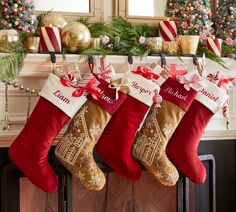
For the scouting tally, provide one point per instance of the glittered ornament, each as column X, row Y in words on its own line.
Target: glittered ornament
column 226, row 22
column 75, row 37
column 197, row 16
column 17, row 13
column 54, row 20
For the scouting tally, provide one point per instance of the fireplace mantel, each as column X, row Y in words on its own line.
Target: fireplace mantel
column 37, row 67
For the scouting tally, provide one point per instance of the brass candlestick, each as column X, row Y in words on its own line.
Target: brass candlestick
column 94, row 43
column 171, row 47
column 154, row 44
column 189, row 44
column 32, row 44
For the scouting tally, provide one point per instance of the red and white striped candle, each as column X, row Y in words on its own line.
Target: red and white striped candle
column 50, row 39
column 168, row 30
column 214, row 45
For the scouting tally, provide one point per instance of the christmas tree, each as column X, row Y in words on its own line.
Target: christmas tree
column 17, row 14
column 196, row 19
column 174, row 7
column 226, row 22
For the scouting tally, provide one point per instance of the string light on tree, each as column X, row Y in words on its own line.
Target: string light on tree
column 17, row 14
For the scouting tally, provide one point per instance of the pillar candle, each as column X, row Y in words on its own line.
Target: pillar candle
column 214, row 45
column 50, row 39
column 168, row 30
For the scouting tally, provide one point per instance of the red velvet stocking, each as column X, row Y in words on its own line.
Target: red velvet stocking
column 114, row 146
column 182, row 147
column 30, row 149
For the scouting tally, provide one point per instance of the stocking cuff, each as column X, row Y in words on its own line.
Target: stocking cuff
column 141, row 88
column 61, row 96
column 211, row 96
column 175, row 93
column 107, row 99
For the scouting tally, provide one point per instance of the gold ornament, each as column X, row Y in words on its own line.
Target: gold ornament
column 32, row 44
column 189, row 44
column 54, row 20
column 75, row 37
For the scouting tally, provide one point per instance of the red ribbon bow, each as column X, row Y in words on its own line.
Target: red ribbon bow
column 225, row 83
column 69, row 81
column 219, row 79
column 144, row 72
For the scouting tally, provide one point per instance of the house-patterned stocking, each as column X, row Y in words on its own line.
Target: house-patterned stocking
column 75, row 149
column 151, row 141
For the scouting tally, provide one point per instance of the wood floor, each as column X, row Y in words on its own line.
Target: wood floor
column 117, row 196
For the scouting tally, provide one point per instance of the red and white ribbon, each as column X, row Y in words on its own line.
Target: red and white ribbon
column 168, row 30
column 50, row 39
column 104, row 70
column 87, row 85
column 214, row 45
column 146, row 73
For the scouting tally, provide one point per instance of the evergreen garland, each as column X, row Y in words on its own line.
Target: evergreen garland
column 12, row 63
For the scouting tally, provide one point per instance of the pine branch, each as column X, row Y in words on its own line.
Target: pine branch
column 99, row 28
column 228, row 51
column 11, row 65
column 203, row 49
column 84, row 20
column 92, row 52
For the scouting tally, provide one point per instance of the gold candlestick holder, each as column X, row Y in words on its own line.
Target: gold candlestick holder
column 154, row 44
column 32, row 44
column 189, row 44
column 170, row 47
column 95, row 43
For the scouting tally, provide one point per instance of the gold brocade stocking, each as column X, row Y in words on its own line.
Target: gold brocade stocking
column 75, row 149
column 151, row 141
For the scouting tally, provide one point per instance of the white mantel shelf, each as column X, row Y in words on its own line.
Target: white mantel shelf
column 37, row 67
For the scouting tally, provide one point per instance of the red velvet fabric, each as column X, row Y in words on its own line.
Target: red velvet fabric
column 29, row 150
column 106, row 100
column 182, row 147
column 114, row 146
column 174, row 92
